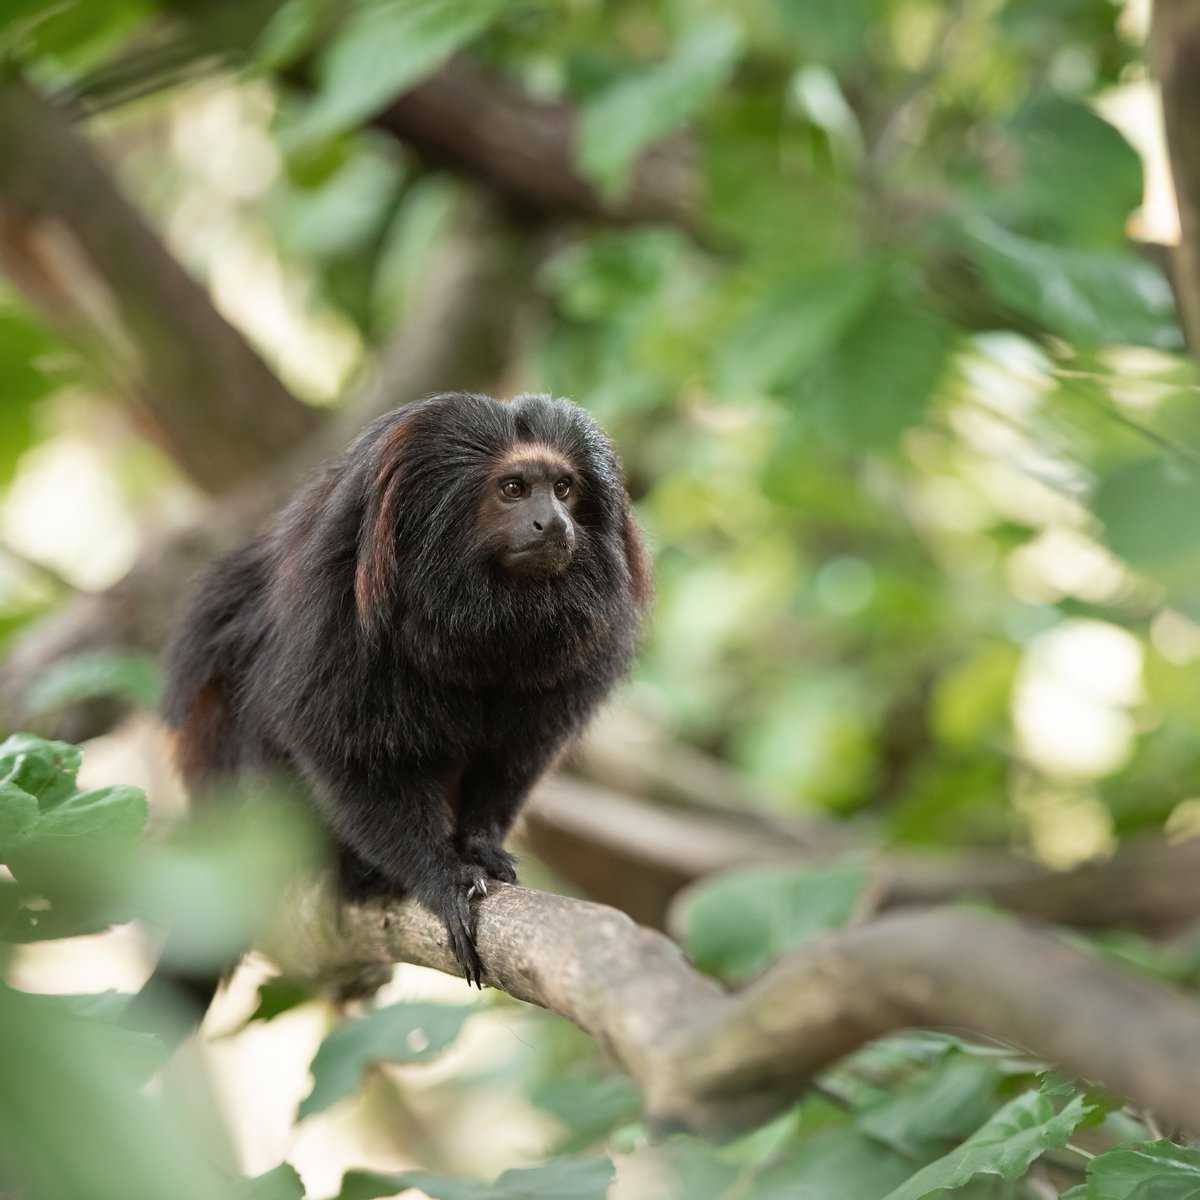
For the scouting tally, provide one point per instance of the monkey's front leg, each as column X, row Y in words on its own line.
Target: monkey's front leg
column 490, row 796
column 396, row 822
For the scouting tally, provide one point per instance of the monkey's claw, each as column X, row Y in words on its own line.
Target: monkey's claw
column 463, row 946
column 452, row 902
column 496, row 862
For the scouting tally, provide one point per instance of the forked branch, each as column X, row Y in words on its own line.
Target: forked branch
column 718, row 1064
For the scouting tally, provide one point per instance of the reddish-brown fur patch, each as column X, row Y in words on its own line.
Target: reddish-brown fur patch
column 195, row 746
column 451, row 781
column 534, row 452
column 635, row 557
column 377, row 563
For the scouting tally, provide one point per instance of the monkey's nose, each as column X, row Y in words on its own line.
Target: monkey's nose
column 552, row 528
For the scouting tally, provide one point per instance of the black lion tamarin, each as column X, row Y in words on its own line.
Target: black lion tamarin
column 415, row 637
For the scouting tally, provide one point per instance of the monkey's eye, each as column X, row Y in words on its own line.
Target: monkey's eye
column 562, row 489
column 513, row 489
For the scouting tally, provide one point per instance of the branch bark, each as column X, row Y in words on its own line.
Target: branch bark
column 85, row 258
column 522, row 148
column 640, row 857
column 1175, row 58
column 717, row 1064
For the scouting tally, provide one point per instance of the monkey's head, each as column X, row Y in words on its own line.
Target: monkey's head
column 468, row 526
column 526, row 521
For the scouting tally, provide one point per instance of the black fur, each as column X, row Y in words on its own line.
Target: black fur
column 368, row 643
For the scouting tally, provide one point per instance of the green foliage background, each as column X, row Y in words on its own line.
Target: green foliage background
column 904, row 407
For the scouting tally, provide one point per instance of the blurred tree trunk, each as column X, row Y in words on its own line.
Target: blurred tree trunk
column 1175, row 58
column 86, row 259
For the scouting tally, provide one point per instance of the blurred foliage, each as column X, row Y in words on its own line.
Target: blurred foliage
column 74, row 1119
column 907, row 1117
column 908, row 422
column 127, row 674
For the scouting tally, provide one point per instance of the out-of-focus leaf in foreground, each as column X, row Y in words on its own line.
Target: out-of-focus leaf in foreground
column 559, row 1179
column 400, row 1033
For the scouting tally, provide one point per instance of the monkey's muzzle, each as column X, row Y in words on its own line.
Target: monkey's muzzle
column 543, row 556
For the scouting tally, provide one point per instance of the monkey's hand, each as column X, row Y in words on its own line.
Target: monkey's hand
column 450, row 896
column 485, row 849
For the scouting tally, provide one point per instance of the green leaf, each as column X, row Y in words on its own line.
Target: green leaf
column 24, row 344
column 400, row 1033
column 839, row 34
column 215, row 884
column 128, row 674
column 276, row 997
column 70, row 38
column 604, row 277
column 590, row 1106
column 339, row 216
column 559, row 1179
column 83, row 830
column 409, row 246
column 280, row 1183
column 1090, row 298
column 70, row 1094
column 1151, row 1171
column 880, row 378
column 840, row 1162
column 100, row 817
column 797, row 323
column 290, row 32
column 955, row 1098
column 1062, row 141
column 737, row 923
column 1006, row 1145
column 971, row 699
column 44, row 769
column 618, row 124
column 1148, row 508
column 385, row 47
column 18, row 815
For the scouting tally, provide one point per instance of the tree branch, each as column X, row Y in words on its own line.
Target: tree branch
column 639, row 857
column 85, row 258
column 522, row 148
column 1174, row 53
column 717, row 1064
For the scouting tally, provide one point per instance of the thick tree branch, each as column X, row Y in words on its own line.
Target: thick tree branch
column 717, row 1064
column 639, row 857
column 522, row 148
column 84, row 257
column 1175, row 57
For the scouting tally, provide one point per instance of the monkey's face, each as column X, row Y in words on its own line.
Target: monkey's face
column 527, row 513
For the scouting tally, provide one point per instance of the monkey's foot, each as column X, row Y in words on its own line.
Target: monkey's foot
column 452, row 902
column 496, row 862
